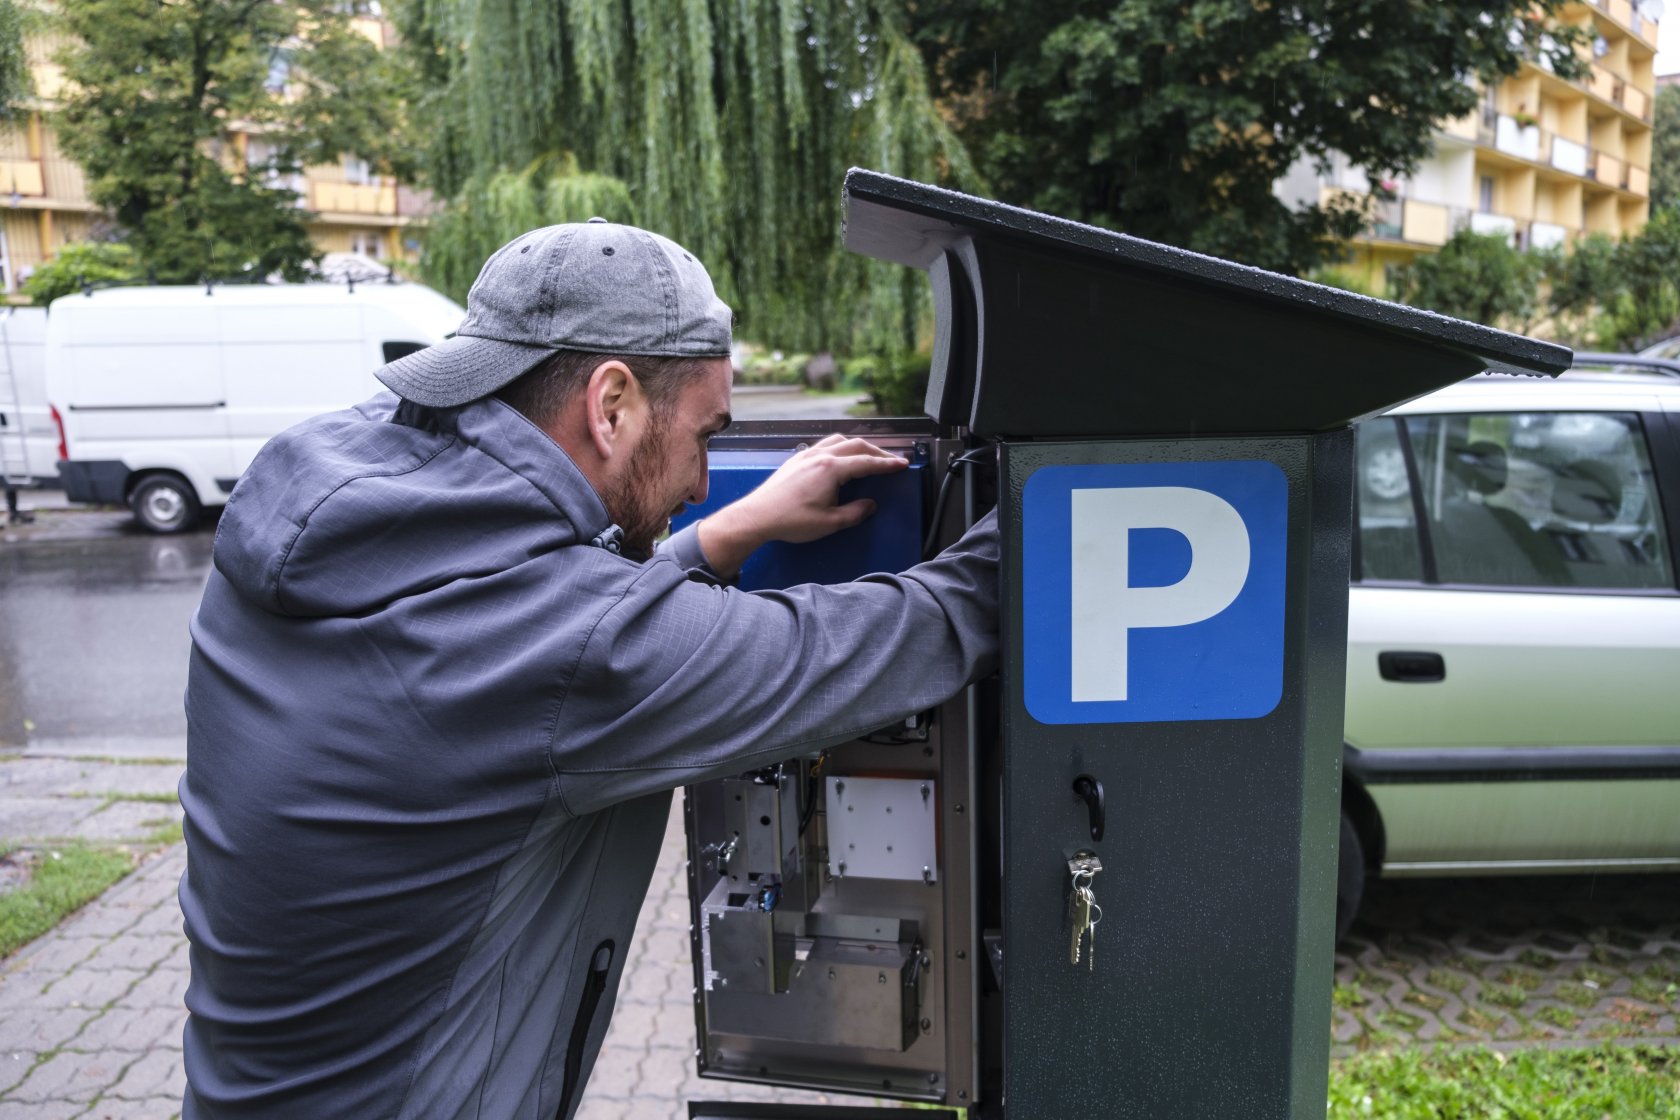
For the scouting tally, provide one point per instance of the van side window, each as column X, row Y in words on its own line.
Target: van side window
column 395, row 350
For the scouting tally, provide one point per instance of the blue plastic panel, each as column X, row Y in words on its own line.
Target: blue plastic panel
column 890, row 541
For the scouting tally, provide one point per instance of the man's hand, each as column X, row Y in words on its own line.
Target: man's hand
column 800, row 502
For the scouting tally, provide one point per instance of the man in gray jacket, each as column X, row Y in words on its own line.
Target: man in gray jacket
column 440, row 693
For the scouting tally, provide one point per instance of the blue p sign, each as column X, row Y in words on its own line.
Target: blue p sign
column 1153, row 591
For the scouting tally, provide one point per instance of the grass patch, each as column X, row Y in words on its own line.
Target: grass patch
column 1578, row 994
column 1653, row 989
column 1424, row 999
column 1447, row 980
column 1477, row 1019
column 1505, row 995
column 1520, row 978
column 1641, row 1082
column 64, row 879
column 1536, row 958
column 1348, row 996
column 1560, row 1017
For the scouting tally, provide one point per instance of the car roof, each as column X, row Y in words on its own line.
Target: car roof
column 1594, row 391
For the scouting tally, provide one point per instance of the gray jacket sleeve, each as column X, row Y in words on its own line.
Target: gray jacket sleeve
column 681, row 681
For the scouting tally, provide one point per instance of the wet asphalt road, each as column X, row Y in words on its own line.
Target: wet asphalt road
column 93, row 631
column 94, row 615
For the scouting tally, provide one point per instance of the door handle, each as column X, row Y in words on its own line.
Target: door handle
column 1090, row 790
column 1411, row 666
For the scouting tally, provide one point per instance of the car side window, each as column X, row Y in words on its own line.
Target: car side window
column 1541, row 499
column 1388, row 539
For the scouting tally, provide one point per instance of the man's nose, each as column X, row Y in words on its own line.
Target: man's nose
column 697, row 495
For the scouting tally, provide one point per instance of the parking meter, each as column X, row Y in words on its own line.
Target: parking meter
column 1101, row 883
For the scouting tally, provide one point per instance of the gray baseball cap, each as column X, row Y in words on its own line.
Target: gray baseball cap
column 592, row 286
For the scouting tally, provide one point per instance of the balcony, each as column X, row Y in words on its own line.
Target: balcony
column 1613, row 171
column 353, row 198
column 1617, row 90
column 21, row 177
column 1565, row 155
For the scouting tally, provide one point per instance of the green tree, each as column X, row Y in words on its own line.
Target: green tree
column 1173, row 120
column 15, row 84
column 1665, row 149
column 1645, row 305
column 1578, row 283
column 154, row 88
column 729, row 126
column 79, row 265
column 1479, row 277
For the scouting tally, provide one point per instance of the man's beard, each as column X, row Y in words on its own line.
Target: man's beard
column 632, row 504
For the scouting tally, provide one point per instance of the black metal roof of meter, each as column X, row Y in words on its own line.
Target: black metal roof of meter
column 1046, row 327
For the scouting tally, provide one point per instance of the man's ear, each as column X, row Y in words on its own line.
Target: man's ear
column 615, row 407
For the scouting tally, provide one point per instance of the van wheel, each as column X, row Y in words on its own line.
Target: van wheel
column 164, row 503
column 1350, row 877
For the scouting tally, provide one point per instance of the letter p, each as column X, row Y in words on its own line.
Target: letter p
column 1106, row 609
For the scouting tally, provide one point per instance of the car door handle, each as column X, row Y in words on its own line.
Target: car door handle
column 1413, row 666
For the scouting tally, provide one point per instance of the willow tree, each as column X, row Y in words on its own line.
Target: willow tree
column 725, row 124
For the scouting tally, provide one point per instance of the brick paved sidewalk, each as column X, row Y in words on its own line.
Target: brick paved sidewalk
column 91, row 1014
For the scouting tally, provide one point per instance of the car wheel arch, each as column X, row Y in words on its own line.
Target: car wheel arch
column 1367, row 819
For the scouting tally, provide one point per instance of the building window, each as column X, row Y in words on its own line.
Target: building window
column 1484, row 198
column 357, row 171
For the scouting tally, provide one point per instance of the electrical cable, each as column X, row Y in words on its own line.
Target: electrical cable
column 975, row 456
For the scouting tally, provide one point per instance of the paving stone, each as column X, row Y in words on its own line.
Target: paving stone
column 162, row 987
column 51, row 955
column 87, row 987
column 136, row 949
column 43, row 1110
column 616, row 1071
column 42, row 1029
column 71, row 1077
column 156, row 1074
column 103, row 919
column 151, row 1108
column 39, row 818
column 128, row 821
column 133, row 1029
column 14, row 1067
column 163, row 920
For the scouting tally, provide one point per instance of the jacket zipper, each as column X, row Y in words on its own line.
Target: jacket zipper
column 600, row 962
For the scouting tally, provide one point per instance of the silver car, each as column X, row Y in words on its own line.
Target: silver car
column 1513, row 694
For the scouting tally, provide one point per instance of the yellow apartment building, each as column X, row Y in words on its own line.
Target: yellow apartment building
column 1541, row 162
column 44, row 202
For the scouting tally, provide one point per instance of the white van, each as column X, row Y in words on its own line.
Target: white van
column 165, row 394
column 28, row 436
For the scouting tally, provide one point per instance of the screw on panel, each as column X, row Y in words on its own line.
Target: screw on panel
column 925, row 791
column 927, row 873
column 927, row 1025
column 880, row 978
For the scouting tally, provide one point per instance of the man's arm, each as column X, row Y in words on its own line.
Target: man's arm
column 681, row 681
column 800, row 502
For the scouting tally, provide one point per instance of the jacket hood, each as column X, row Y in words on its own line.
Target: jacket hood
column 352, row 510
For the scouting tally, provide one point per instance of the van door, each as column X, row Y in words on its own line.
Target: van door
column 142, row 384
column 285, row 363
